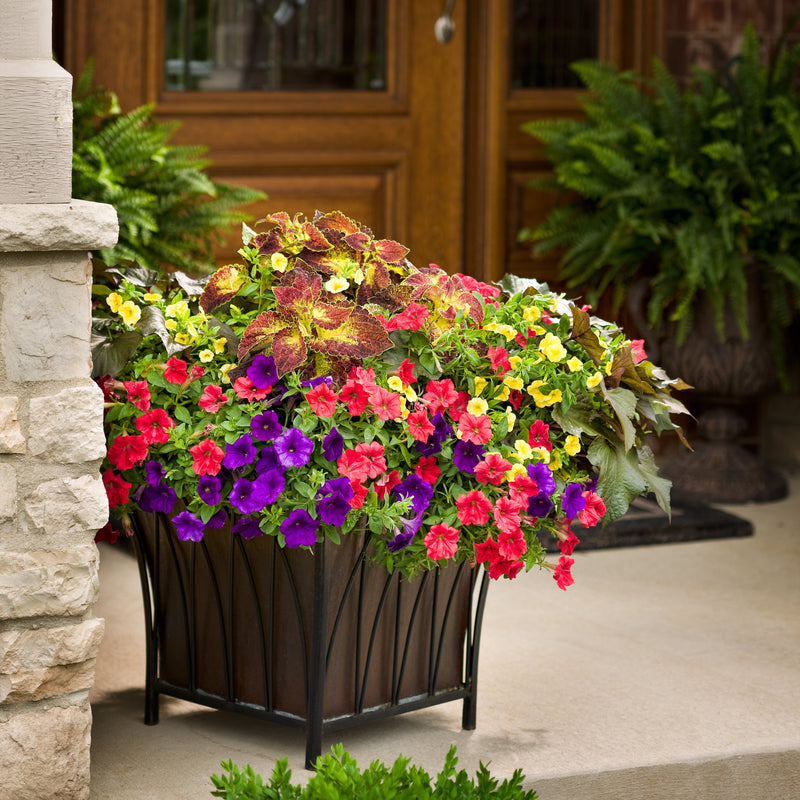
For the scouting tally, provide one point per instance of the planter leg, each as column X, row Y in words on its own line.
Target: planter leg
column 316, row 672
column 469, row 712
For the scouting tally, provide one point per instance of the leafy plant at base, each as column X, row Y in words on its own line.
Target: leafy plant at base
column 338, row 777
column 697, row 190
column 170, row 211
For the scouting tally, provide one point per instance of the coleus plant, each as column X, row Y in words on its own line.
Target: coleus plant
column 326, row 379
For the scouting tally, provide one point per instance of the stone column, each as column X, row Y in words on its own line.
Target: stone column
column 51, row 437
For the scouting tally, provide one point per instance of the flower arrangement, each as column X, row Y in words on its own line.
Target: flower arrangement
column 325, row 379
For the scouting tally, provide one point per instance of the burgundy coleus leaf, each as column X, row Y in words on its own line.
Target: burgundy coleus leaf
column 337, row 221
column 261, row 331
column 281, row 219
column 390, row 251
column 298, row 292
column 361, row 336
column 288, row 349
column 359, row 241
column 330, row 316
column 583, row 334
column 424, row 280
column 223, row 286
column 313, row 239
column 623, row 370
column 452, row 297
column 269, row 243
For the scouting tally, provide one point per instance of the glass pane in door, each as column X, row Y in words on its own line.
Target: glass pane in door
column 547, row 36
column 269, row 45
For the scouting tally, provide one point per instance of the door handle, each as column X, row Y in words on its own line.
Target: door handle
column 444, row 27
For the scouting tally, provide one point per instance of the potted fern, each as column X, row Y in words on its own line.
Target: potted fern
column 689, row 201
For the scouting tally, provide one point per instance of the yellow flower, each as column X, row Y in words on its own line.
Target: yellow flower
column 511, row 417
column 182, row 338
column 358, row 276
column 555, row 461
column 114, row 301
column 480, row 385
column 223, row 373
column 179, row 309
column 513, row 382
column 531, row 314
column 170, row 324
column 607, row 367
column 594, row 380
column 404, row 412
column 220, row 344
column 524, row 452
column 477, row 406
column 514, row 361
column 574, row 364
column 549, row 399
column 543, row 453
column 336, row 284
column 410, row 394
column 502, row 394
column 205, row 356
column 572, row 445
column 533, row 388
column 516, row 469
column 395, row 384
column 552, row 348
column 130, row 312
column 503, row 330
column 279, row 262
column 152, row 297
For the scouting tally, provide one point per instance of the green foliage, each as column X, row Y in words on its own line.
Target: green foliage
column 338, row 777
column 697, row 190
column 170, row 212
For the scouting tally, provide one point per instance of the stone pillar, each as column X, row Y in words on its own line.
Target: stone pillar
column 51, row 437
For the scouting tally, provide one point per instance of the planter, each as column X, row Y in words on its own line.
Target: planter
column 319, row 640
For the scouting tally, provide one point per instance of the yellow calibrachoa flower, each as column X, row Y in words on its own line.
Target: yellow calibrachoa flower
column 410, row 394
column 549, row 399
column 514, row 361
column 607, row 367
column 595, row 380
column 480, row 385
column 502, row 394
column 205, row 356
column 114, row 301
column 337, row 284
column 182, row 338
column 524, row 452
column 574, row 364
column 358, row 276
column 278, row 262
column 477, row 406
column 503, row 330
column 572, row 445
column 531, row 314
column 220, row 344
column 179, row 309
column 555, row 461
column 130, row 312
column 516, row 469
column 552, row 348
column 395, row 384
column 170, row 324
column 511, row 417
column 513, row 382
column 543, row 453
column 152, row 297
column 223, row 373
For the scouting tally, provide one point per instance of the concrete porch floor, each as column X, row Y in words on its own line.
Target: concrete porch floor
column 666, row 672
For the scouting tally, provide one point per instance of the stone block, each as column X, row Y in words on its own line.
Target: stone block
column 67, row 427
column 45, row 583
column 11, row 438
column 8, row 491
column 47, row 682
column 44, row 754
column 27, row 649
column 67, row 505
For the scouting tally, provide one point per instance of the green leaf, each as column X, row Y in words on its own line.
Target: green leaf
column 109, row 357
column 621, row 478
column 623, row 401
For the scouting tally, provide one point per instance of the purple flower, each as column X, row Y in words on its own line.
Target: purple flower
column 417, row 489
column 269, row 486
column 188, row 526
column 333, row 508
column 540, row 505
column 266, row 426
column 262, row 371
column 247, row 528
column 333, row 445
column 267, row 460
column 467, row 456
column 240, row 453
column 155, row 472
column 218, row 520
column 247, row 497
column 340, row 486
column 441, row 433
column 299, row 529
column 294, row 448
column 402, row 538
column 573, row 501
column 209, row 487
column 543, row 476
column 159, row 498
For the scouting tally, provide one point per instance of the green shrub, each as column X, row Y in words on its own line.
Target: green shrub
column 170, row 212
column 339, row 778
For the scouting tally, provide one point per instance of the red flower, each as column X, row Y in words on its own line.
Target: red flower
column 385, row 404
column 476, row 429
column 411, row 319
column 359, row 494
column 502, row 567
column 473, row 508
column 515, row 398
column 511, row 545
column 441, row 541
column 126, row 451
column 492, row 469
column 507, row 513
column 245, row 389
column 568, row 545
column 386, row 482
column 196, row 372
column 354, row 466
column 356, row 397
column 322, row 400
column 107, row 534
column 539, row 435
column 175, row 371
column 497, row 566
column 116, row 489
column 207, row 457
column 406, row 372
column 498, row 358
column 154, row 426
column 562, row 575
column 373, row 453
column 364, row 377
column 486, row 551
column 459, row 408
column 428, row 469
column 592, row 511
column 637, row 346
column 419, row 426
column 138, row 394
column 440, row 395
column 212, row 399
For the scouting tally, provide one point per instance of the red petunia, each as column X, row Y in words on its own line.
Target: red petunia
column 127, row 451
column 473, row 508
column 207, row 457
column 515, row 398
column 592, row 511
column 117, row 489
column 212, row 399
column 245, row 389
column 562, row 575
column 406, row 371
column 459, row 408
column 511, row 545
column 373, row 453
column 175, row 370
column 355, row 396
column 441, row 541
column 476, row 429
column 386, row 482
column 419, row 426
column 411, row 319
column 322, row 400
column 440, row 395
column 107, row 534
column 155, row 426
column 507, row 513
column 639, row 354
column 498, row 358
column 359, row 494
column 504, row 568
column 539, row 435
column 385, row 404
column 353, row 465
column 492, row 469
column 138, row 394
column 428, row 469
column 196, row 372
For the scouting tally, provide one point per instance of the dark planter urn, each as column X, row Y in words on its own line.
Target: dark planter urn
column 319, row 641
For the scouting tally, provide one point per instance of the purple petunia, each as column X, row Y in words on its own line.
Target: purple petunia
column 467, row 455
column 218, row 520
column 262, row 371
column 159, row 498
column 543, row 476
column 247, row 528
column 402, row 538
column 419, row 490
column 188, row 526
column 266, row 426
column 247, row 497
column 294, row 448
column 573, row 500
column 240, row 453
column 333, row 508
column 441, row 433
column 267, row 460
column 299, row 529
column 154, row 472
column 269, row 486
column 209, row 488
column 333, row 445
column 540, row 505
column 341, row 486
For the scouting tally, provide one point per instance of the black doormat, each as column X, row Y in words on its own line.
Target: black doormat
column 646, row 523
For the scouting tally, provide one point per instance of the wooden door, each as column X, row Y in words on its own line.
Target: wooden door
column 433, row 157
